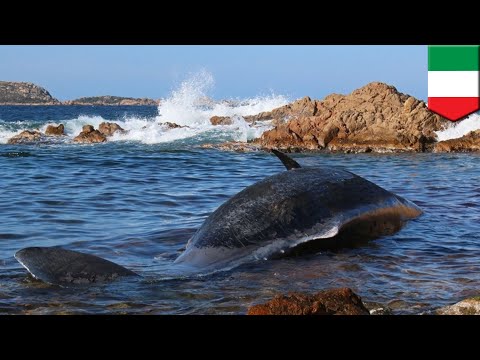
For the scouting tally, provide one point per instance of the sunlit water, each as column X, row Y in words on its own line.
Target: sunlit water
column 138, row 203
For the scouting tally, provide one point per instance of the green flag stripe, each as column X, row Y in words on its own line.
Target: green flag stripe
column 453, row 58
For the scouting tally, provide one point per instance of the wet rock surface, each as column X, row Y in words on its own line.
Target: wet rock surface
column 110, row 128
column 469, row 306
column 89, row 135
column 341, row 301
column 53, row 130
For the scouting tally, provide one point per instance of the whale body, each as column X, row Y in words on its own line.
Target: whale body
column 324, row 205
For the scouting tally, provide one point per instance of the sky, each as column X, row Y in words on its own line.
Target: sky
column 69, row 72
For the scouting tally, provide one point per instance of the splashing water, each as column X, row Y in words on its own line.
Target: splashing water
column 459, row 129
column 188, row 106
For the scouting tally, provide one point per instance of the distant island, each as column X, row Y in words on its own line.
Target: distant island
column 25, row 93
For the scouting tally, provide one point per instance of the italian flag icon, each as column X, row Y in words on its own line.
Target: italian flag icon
column 453, row 80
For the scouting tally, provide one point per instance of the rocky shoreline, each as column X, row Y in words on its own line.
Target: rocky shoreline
column 28, row 94
column 373, row 118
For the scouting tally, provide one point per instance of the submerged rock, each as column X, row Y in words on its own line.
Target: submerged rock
column 375, row 118
column 110, row 128
column 467, row 143
column 465, row 307
column 233, row 146
column 53, row 130
column 26, row 136
column 89, row 135
column 341, row 301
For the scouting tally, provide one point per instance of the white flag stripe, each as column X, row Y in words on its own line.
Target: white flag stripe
column 453, row 84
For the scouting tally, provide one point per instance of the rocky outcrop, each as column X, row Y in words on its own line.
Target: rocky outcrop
column 464, row 307
column 375, row 117
column 110, row 128
column 53, row 130
column 26, row 137
column 111, row 100
column 24, row 93
column 341, row 301
column 467, row 143
column 89, row 135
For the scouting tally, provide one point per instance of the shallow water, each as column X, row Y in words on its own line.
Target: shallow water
column 137, row 204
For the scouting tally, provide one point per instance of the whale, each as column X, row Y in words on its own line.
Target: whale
column 323, row 205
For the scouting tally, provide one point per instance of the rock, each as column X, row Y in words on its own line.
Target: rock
column 110, row 128
column 24, row 93
column 221, row 120
column 467, row 143
column 26, row 136
column 341, row 301
column 90, row 135
column 233, row 146
column 53, row 130
column 111, row 101
column 377, row 309
column 465, row 307
column 375, row 117
column 299, row 108
column 171, row 125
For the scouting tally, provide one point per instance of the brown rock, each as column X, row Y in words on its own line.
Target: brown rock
column 341, row 301
column 221, row 120
column 110, row 128
column 464, row 307
column 375, row 117
column 469, row 142
column 89, row 135
column 26, row 136
column 171, row 125
column 53, row 130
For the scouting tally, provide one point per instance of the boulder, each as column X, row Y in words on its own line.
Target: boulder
column 26, row 136
column 53, row 130
column 375, row 117
column 89, row 135
column 221, row 120
column 110, row 128
column 342, row 301
column 467, row 143
column 465, row 307
column 171, row 125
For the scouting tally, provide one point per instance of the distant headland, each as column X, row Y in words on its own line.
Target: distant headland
column 25, row 93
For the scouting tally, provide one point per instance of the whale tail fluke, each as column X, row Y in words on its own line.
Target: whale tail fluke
column 59, row 266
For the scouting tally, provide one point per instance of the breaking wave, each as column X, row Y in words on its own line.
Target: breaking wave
column 188, row 106
column 459, row 129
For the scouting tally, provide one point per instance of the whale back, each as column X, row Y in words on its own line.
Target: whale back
column 59, row 266
column 289, row 208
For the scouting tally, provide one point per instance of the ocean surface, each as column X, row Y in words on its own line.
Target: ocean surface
column 137, row 199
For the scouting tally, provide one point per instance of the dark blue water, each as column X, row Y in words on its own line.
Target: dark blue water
column 137, row 204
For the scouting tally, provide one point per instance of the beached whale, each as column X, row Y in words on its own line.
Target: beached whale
column 326, row 204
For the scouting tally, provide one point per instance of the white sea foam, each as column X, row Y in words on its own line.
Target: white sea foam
column 459, row 129
column 189, row 106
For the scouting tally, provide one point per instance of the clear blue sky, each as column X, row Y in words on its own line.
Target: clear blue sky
column 240, row 71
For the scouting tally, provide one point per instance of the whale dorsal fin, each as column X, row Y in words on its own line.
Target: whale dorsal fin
column 286, row 160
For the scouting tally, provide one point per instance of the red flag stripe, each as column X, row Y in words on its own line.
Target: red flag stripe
column 453, row 108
